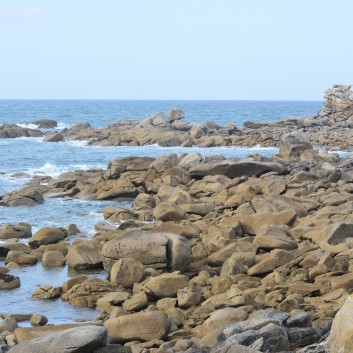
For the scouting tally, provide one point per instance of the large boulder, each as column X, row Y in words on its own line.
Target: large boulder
column 274, row 237
column 84, row 255
column 45, row 123
column 9, row 281
column 211, row 328
column 53, row 259
column 18, row 230
column 154, row 249
column 127, row 272
column 144, row 326
column 75, row 340
column 45, row 236
column 20, row 258
column 271, row 261
column 293, row 144
column 28, row 196
column 85, row 293
column 167, row 211
column 118, row 166
column 13, row 131
column 341, row 336
column 234, row 169
column 166, row 285
column 270, row 331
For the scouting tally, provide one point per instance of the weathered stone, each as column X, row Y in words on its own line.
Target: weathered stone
column 340, row 339
column 18, row 230
column 211, row 328
column 166, row 211
column 270, row 261
column 75, row 340
column 85, row 254
column 38, row 320
column 188, row 296
column 8, row 281
column 166, row 285
column 154, row 249
column 274, row 237
column 47, row 292
column 233, row 169
column 53, row 259
column 46, row 235
column 144, row 326
column 127, row 272
column 20, row 258
column 293, row 144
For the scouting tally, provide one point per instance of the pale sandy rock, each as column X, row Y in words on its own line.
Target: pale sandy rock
column 86, row 254
column 45, row 236
column 144, row 326
column 340, row 339
column 53, row 259
column 127, row 272
column 166, row 285
column 271, row 261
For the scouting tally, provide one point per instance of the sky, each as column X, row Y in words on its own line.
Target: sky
column 174, row 49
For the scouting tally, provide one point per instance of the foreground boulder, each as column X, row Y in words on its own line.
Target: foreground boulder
column 234, row 169
column 154, row 249
column 341, row 336
column 75, row 340
column 144, row 326
column 270, row 331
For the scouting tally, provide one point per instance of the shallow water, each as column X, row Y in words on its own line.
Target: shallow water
column 20, row 300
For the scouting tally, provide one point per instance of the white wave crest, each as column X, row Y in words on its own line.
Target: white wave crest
column 54, row 171
column 28, row 126
column 75, row 143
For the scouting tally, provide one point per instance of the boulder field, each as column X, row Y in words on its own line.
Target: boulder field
column 331, row 126
column 214, row 255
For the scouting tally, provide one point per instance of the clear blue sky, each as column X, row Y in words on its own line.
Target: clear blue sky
column 174, row 49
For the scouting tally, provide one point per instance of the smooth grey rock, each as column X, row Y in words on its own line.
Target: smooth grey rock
column 76, row 340
column 270, row 338
column 234, row 169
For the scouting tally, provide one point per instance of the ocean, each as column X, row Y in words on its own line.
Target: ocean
column 32, row 156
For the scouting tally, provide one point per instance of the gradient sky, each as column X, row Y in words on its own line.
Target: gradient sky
column 174, row 49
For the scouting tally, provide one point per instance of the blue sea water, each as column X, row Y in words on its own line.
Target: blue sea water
column 100, row 113
column 34, row 157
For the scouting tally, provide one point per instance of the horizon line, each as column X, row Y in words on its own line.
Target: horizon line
column 161, row 100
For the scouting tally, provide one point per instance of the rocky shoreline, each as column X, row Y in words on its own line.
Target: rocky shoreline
column 331, row 127
column 214, row 255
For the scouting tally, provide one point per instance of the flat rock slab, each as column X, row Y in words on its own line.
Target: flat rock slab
column 233, row 169
column 75, row 340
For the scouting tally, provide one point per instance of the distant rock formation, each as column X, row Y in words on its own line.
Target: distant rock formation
column 338, row 104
